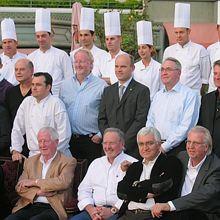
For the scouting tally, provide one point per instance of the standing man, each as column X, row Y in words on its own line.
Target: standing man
column 10, row 54
column 24, row 70
column 175, row 108
column 201, row 181
column 48, row 58
column 210, row 110
column 97, row 193
column 37, row 111
column 82, row 96
column 193, row 57
column 45, row 180
column 113, row 43
column 86, row 39
column 125, row 104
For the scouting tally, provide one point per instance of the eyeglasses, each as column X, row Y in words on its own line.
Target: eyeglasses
column 194, row 143
column 167, row 70
column 148, row 143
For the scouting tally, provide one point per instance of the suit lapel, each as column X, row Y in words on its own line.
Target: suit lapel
column 211, row 111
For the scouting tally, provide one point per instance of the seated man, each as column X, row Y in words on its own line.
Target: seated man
column 97, row 193
column 44, row 182
column 154, row 179
column 201, row 182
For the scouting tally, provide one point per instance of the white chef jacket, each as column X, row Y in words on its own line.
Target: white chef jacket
column 148, row 76
column 195, row 63
column 99, row 186
column 99, row 57
column 214, row 55
column 32, row 116
column 54, row 61
column 174, row 113
column 108, row 67
column 8, row 69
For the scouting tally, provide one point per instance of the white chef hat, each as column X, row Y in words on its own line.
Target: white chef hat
column 218, row 19
column 87, row 19
column 182, row 15
column 144, row 32
column 42, row 20
column 8, row 29
column 112, row 23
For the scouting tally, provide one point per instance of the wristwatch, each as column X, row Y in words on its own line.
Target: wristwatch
column 114, row 210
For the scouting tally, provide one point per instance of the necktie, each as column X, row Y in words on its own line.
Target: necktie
column 121, row 91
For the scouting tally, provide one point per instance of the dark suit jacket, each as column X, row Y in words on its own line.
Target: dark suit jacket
column 129, row 115
column 205, row 195
column 163, row 169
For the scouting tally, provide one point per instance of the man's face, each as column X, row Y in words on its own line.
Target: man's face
column 39, row 89
column 144, row 51
column 216, row 71
column 196, row 147
column 9, row 47
column 82, row 64
column 169, row 74
column 86, row 38
column 123, row 68
column 149, row 148
column 23, row 72
column 113, row 43
column 182, row 35
column 47, row 146
column 43, row 39
column 112, row 145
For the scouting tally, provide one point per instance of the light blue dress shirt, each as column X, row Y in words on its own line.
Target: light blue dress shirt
column 174, row 113
column 82, row 102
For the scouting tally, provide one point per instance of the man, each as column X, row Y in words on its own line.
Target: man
column 37, row 111
column 125, row 104
column 48, row 58
column 82, row 96
column 113, row 43
column 175, row 108
column 86, row 39
column 97, row 193
column 193, row 57
column 201, row 182
column 45, row 180
column 154, row 179
column 210, row 110
column 14, row 96
column 10, row 54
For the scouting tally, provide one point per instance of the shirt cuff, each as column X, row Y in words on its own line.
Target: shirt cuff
column 172, row 207
column 118, row 204
column 99, row 134
column 83, row 203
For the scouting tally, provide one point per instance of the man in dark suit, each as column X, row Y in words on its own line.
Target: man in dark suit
column 125, row 104
column 154, row 179
column 200, row 191
column 210, row 110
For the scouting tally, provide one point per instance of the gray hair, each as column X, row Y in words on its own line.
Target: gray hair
column 53, row 133
column 177, row 63
column 150, row 130
column 117, row 131
column 87, row 52
column 206, row 136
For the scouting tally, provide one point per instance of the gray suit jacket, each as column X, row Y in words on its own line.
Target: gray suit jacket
column 205, row 195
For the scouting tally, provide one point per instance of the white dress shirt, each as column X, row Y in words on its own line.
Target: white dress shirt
column 32, row 116
column 195, row 63
column 108, row 67
column 99, row 186
column 174, row 113
column 8, row 69
column 99, row 57
column 54, row 61
column 145, row 175
column 214, row 54
column 148, row 76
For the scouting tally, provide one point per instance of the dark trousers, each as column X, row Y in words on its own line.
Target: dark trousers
column 131, row 215
column 82, row 147
column 37, row 211
column 189, row 215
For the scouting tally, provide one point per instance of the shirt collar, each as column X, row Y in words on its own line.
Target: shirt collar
column 145, row 162
column 42, row 101
column 49, row 161
column 176, row 88
column 117, row 159
column 86, row 78
column 9, row 57
column 185, row 45
column 125, row 84
column 198, row 166
column 143, row 67
column 119, row 53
